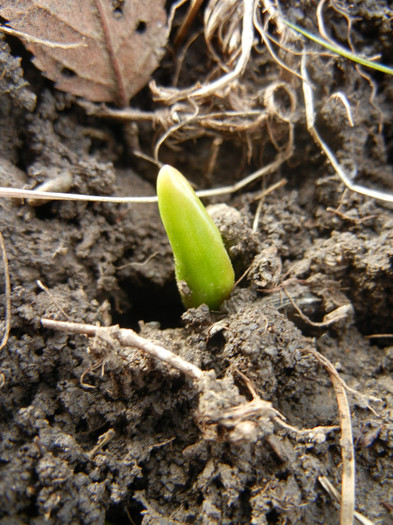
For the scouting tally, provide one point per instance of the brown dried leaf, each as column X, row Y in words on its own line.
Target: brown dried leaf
column 121, row 43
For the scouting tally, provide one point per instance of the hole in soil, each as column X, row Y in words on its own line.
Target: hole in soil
column 81, row 467
column 82, row 426
column 67, row 72
column 218, row 483
column 121, row 514
column 216, row 343
column 150, row 303
column 45, row 211
column 118, row 13
column 141, row 27
column 283, row 475
column 245, row 504
column 272, row 517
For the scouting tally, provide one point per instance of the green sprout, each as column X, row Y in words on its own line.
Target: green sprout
column 204, row 272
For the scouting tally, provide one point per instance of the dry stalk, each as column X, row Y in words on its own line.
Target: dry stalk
column 169, row 96
column 102, row 440
column 377, row 336
column 316, row 434
column 225, row 105
column 196, row 125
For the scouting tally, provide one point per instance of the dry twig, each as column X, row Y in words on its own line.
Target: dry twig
column 127, row 338
column 217, row 410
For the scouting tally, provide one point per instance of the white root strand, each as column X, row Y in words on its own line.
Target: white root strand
column 127, row 337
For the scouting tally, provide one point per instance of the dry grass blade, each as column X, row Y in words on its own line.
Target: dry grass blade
column 223, row 22
column 247, row 41
column 193, row 9
column 241, row 47
column 330, row 489
column 347, row 453
column 7, row 286
column 123, row 43
column 347, row 449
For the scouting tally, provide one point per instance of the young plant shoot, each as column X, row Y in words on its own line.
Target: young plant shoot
column 204, row 272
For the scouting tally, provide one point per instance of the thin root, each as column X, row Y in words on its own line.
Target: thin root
column 310, row 117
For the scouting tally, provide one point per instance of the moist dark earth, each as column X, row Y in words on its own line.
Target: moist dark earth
column 85, row 439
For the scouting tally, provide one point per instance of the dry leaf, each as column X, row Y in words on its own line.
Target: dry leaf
column 121, row 43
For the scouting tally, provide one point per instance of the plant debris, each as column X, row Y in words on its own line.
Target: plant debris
column 109, row 49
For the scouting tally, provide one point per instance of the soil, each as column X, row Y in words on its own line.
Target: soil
column 86, row 440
